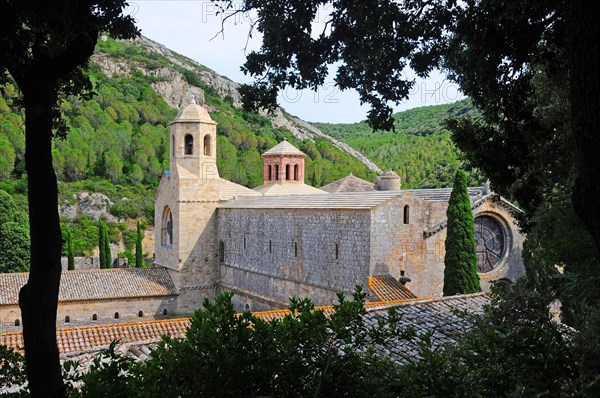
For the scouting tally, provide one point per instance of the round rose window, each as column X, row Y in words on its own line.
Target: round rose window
column 489, row 236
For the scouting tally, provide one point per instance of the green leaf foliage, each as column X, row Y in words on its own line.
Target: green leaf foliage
column 70, row 254
column 460, row 260
column 107, row 254
column 139, row 255
column 513, row 350
column 419, row 149
column 12, row 372
column 305, row 354
column 14, row 236
column 101, row 245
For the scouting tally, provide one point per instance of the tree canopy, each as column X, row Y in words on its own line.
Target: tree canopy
column 44, row 49
column 460, row 259
column 517, row 60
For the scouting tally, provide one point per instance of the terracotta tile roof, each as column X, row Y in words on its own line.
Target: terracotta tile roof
column 97, row 284
column 437, row 315
column 83, row 339
column 386, row 288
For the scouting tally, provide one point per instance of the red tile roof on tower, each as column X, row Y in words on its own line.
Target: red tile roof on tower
column 284, row 148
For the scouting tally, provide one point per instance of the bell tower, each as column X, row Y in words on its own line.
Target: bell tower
column 185, row 208
column 193, row 142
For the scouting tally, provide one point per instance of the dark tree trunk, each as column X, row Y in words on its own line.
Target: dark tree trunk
column 38, row 299
column 584, row 54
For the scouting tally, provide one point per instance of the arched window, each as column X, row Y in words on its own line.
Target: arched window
column 296, row 175
column 94, row 317
column 166, row 229
column 406, row 214
column 287, row 172
column 221, row 251
column 269, row 174
column 172, row 145
column 247, row 307
column 165, row 312
column 276, row 172
column 189, row 145
column 270, row 246
column 337, row 251
column 141, row 314
column 244, row 243
column 17, row 323
column 207, row 144
column 295, row 249
column 117, row 316
column 67, row 319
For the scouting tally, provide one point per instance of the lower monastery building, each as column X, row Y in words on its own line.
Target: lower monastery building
column 281, row 239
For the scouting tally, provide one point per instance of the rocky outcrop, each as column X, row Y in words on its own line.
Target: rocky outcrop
column 174, row 89
column 110, row 66
column 94, row 205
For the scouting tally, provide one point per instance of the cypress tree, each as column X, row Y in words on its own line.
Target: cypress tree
column 70, row 256
column 139, row 257
column 107, row 255
column 460, row 272
column 101, row 246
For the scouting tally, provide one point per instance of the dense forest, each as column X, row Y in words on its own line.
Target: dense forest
column 117, row 144
column 419, row 149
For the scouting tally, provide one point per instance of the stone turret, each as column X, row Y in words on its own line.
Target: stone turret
column 389, row 181
column 284, row 163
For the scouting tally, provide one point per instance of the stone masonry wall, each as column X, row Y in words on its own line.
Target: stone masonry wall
column 82, row 312
column 283, row 253
column 397, row 247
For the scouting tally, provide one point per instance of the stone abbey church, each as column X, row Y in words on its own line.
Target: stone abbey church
column 285, row 238
column 281, row 239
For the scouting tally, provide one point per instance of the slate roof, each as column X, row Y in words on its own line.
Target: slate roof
column 436, row 315
column 387, row 288
column 342, row 200
column 229, row 190
column 284, row 148
column 97, row 284
column 442, row 317
column 350, row 183
column 289, row 188
column 337, row 200
column 443, row 194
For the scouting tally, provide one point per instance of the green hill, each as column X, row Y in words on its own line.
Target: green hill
column 117, row 141
column 419, row 150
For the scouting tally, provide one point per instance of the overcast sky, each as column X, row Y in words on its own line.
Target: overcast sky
column 187, row 27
